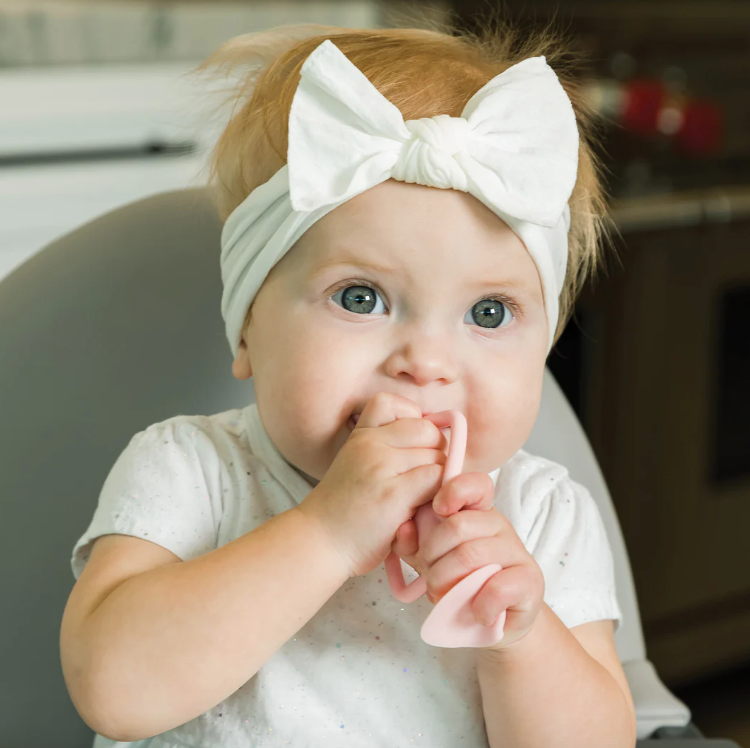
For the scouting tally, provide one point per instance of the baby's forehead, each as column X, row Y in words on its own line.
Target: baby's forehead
column 393, row 204
column 398, row 217
column 401, row 233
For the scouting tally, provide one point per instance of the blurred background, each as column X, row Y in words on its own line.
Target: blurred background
column 95, row 111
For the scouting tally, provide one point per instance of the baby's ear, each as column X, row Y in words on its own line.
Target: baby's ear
column 242, row 367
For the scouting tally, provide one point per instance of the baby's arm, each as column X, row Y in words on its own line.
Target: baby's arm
column 557, row 686
column 562, row 682
column 172, row 642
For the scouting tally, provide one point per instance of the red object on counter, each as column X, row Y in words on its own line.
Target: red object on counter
column 702, row 128
column 644, row 98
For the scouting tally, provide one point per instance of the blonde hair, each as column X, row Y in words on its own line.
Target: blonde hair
column 424, row 72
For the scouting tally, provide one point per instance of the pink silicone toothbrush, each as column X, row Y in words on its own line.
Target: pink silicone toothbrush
column 451, row 622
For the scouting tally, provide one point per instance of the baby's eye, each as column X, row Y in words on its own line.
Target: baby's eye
column 358, row 298
column 488, row 313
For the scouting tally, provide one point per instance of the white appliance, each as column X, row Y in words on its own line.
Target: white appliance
column 95, row 109
column 78, row 141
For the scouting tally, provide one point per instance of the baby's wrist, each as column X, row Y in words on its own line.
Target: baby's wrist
column 328, row 543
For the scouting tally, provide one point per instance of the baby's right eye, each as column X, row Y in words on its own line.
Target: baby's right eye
column 358, row 299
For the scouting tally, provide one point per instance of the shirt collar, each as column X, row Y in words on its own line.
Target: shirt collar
column 261, row 445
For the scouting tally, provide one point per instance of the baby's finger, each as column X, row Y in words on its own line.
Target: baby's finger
column 466, row 558
column 405, row 543
column 384, row 408
column 470, row 525
column 516, row 589
column 465, row 491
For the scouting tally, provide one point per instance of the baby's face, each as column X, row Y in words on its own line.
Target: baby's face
column 329, row 331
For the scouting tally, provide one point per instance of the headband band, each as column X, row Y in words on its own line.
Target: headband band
column 514, row 148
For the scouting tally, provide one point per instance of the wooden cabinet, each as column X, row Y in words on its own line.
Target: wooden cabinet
column 667, row 409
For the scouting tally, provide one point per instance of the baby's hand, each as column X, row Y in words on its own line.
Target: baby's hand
column 469, row 539
column 391, row 464
column 406, row 544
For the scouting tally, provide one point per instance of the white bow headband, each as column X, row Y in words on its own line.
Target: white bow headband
column 514, row 148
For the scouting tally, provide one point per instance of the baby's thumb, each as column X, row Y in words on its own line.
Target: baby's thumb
column 405, row 543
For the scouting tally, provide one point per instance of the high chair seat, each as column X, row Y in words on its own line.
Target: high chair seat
column 116, row 326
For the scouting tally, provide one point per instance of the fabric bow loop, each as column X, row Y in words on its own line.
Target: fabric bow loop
column 515, row 147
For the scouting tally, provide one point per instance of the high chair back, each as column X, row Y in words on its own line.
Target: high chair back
column 109, row 329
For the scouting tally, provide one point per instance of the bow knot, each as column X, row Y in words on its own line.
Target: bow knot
column 428, row 158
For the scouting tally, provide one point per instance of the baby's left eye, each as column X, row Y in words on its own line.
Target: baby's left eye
column 490, row 314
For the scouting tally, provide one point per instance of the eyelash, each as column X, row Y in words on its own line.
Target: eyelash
column 514, row 307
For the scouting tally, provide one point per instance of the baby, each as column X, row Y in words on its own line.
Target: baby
column 409, row 216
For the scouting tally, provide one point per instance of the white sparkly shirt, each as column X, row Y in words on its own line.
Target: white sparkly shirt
column 358, row 673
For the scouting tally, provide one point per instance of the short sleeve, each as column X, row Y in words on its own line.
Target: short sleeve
column 569, row 542
column 157, row 491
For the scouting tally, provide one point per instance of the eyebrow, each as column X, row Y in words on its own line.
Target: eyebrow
column 354, row 261
column 351, row 260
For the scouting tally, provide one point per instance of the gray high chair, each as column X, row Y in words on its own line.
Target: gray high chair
column 116, row 326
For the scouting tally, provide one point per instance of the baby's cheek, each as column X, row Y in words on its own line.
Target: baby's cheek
column 524, row 404
column 492, row 444
column 500, row 428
